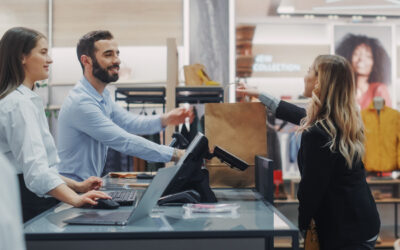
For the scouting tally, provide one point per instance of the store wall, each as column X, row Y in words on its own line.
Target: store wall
column 293, row 47
column 293, row 44
column 27, row 13
column 141, row 28
column 133, row 22
column 209, row 37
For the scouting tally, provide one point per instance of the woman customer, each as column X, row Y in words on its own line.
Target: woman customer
column 333, row 190
column 25, row 139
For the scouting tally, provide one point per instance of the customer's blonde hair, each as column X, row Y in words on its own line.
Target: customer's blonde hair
column 333, row 106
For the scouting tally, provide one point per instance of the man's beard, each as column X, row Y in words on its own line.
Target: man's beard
column 102, row 74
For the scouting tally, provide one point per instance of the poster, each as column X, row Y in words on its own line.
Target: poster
column 370, row 50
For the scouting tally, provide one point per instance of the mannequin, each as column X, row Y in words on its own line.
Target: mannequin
column 379, row 103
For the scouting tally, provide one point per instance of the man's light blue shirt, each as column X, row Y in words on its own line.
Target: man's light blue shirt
column 89, row 123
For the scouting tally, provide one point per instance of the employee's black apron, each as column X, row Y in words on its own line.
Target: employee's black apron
column 33, row 205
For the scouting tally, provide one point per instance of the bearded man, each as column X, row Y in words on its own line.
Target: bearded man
column 90, row 121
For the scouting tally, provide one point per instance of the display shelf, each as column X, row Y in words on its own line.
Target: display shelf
column 200, row 94
column 155, row 95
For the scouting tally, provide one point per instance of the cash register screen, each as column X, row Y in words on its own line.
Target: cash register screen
column 188, row 165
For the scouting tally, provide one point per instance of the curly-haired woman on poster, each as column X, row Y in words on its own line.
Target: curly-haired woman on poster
column 371, row 65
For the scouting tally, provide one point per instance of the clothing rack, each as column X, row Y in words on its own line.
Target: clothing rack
column 154, row 95
column 142, row 95
column 198, row 95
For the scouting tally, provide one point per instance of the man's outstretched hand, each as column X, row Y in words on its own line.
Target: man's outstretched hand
column 177, row 116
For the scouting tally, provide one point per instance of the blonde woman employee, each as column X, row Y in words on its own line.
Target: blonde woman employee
column 25, row 139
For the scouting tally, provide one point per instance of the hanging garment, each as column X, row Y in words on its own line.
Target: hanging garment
column 382, row 139
column 185, row 132
column 154, row 166
column 194, row 125
column 294, row 146
column 116, row 162
column 273, row 144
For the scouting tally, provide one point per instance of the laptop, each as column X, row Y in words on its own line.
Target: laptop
column 142, row 210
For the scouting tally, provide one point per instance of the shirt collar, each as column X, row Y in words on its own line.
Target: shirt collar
column 26, row 91
column 92, row 91
column 371, row 107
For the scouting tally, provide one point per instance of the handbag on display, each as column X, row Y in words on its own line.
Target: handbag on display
column 311, row 242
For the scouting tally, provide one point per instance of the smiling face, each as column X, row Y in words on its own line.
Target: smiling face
column 36, row 63
column 362, row 60
column 310, row 80
column 106, row 62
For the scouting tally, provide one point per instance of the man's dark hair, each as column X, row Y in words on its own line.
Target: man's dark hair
column 381, row 69
column 85, row 45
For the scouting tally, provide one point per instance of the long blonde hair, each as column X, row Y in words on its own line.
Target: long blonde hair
column 333, row 105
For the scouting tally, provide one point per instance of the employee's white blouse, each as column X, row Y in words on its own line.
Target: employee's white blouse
column 26, row 141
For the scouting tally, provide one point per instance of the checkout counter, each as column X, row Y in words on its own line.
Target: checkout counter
column 252, row 226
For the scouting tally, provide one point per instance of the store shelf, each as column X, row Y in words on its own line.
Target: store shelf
column 141, row 95
column 199, row 94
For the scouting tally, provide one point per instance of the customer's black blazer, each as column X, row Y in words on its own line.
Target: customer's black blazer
column 290, row 112
column 336, row 197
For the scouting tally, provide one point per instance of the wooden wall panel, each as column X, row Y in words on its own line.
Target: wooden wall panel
column 26, row 13
column 132, row 22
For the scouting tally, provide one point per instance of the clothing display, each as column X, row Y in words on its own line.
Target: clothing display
column 115, row 162
column 273, row 144
column 196, row 126
column 90, row 123
column 375, row 89
column 150, row 165
column 382, row 138
column 290, row 170
column 294, row 146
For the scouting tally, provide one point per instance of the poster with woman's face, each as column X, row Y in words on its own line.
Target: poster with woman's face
column 368, row 48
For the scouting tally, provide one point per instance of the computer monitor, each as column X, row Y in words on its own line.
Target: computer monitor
column 190, row 175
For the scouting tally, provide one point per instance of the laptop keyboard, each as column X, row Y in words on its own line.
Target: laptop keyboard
column 124, row 197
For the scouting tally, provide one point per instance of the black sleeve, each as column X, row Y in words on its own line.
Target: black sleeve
column 290, row 112
column 317, row 161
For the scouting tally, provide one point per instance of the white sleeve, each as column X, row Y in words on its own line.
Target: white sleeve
column 26, row 144
column 11, row 227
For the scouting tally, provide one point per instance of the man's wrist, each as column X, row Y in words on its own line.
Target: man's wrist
column 163, row 119
column 174, row 155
